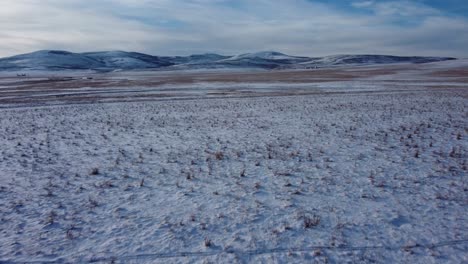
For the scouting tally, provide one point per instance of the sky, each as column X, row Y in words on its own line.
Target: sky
column 183, row 27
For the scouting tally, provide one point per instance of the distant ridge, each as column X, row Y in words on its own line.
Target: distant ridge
column 52, row 60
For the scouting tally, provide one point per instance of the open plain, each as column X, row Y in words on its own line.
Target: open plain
column 350, row 164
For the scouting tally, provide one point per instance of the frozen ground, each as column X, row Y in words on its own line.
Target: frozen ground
column 337, row 173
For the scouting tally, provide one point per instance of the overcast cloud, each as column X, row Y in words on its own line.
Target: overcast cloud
column 182, row 27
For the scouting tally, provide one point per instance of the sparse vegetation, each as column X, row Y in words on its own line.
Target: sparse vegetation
column 219, row 155
column 208, row 242
column 94, row 171
column 264, row 173
column 311, row 221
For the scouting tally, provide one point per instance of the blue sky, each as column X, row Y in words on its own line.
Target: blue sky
column 458, row 7
column 182, row 27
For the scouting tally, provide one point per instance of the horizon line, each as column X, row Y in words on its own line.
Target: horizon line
column 216, row 53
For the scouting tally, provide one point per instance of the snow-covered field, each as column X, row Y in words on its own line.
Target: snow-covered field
column 358, row 177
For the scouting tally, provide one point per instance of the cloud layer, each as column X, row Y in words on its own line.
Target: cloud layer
column 169, row 27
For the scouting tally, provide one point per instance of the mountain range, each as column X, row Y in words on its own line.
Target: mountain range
column 51, row 60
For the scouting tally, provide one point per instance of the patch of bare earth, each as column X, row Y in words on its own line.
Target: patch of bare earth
column 156, row 85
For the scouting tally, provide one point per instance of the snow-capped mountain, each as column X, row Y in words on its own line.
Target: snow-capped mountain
column 266, row 55
column 49, row 60
column 197, row 59
column 64, row 60
column 337, row 60
column 121, row 60
column 127, row 60
column 264, row 59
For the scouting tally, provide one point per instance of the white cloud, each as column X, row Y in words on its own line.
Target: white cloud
column 398, row 8
column 363, row 4
column 190, row 26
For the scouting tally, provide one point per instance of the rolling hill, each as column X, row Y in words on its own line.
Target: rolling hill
column 52, row 60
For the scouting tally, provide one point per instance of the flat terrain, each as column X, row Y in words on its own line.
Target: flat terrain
column 363, row 165
column 65, row 88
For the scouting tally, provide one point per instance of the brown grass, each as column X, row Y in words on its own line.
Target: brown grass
column 107, row 87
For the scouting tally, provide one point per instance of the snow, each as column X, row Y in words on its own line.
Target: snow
column 449, row 64
column 49, row 59
column 347, row 60
column 54, row 60
column 269, row 55
column 329, row 177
